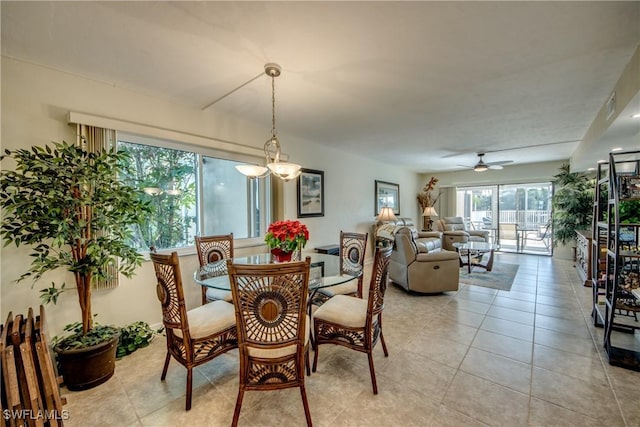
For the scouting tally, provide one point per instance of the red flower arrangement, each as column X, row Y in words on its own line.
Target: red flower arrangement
column 287, row 235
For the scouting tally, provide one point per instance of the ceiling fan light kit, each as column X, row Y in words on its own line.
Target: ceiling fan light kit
column 481, row 166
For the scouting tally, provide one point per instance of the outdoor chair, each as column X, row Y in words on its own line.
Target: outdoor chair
column 508, row 231
column 273, row 327
column 353, row 322
column 196, row 336
column 211, row 249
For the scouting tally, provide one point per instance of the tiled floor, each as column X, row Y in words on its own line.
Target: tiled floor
column 528, row 357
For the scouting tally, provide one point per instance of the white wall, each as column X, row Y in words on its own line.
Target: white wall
column 35, row 104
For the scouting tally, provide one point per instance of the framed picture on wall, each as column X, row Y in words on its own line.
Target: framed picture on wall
column 387, row 195
column 310, row 193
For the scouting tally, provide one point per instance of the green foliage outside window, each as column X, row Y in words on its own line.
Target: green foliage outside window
column 167, row 178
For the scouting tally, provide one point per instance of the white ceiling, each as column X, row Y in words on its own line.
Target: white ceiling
column 420, row 84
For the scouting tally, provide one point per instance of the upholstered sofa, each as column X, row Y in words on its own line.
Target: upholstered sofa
column 419, row 264
column 454, row 230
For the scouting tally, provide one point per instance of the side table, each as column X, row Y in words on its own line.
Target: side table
column 328, row 249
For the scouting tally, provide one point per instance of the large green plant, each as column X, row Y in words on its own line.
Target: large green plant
column 70, row 206
column 572, row 204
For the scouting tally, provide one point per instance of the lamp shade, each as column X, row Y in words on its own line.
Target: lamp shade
column 386, row 214
column 429, row 211
column 252, row 171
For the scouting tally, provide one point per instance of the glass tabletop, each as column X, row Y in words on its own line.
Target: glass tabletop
column 324, row 271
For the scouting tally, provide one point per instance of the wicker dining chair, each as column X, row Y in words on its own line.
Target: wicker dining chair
column 196, row 336
column 273, row 328
column 211, row 249
column 352, row 251
column 353, row 322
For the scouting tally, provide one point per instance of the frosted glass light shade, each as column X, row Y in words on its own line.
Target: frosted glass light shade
column 252, row 171
column 285, row 171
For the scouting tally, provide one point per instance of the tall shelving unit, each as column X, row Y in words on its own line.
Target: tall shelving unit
column 615, row 259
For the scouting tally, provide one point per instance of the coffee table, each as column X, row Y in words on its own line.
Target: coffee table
column 475, row 250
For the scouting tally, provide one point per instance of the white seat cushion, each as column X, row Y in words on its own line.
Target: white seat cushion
column 344, row 310
column 209, row 319
column 283, row 351
column 341, row 289
column 218, row 294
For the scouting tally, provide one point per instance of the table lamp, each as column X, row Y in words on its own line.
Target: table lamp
column 429, row 211
column 386, row 214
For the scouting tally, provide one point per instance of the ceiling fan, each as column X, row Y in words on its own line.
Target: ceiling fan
column 482, row 166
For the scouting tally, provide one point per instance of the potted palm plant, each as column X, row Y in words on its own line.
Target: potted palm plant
column 69, row 206
column 572, row 204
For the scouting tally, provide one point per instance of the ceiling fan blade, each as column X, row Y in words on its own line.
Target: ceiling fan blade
column 503, row 162
column 496, row 167
column 466, row 166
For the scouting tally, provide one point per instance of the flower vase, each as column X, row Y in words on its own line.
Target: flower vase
column 281, row 256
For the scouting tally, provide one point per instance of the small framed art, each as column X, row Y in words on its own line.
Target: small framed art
column 310, row 193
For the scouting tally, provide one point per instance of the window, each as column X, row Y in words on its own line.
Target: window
column 192, row 190
column 526, row 205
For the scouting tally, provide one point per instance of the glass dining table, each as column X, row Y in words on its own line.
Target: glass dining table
column 324, row 272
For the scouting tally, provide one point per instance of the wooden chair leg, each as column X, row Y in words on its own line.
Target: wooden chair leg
column 166, row 366
column 189, row 388
column 307, row 362
column 373, row 372
column 315, row 356
column 384, row 345
column 236, row 412
column 305, row 403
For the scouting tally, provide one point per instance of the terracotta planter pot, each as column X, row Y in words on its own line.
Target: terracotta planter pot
column 88, row 367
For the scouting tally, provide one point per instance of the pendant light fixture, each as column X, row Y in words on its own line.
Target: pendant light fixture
column 272, row 151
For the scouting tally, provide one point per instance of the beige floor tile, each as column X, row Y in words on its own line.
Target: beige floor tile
column 517, row 316
column 586, row 368
column 522, row 296
column 487, row 402
column 503, row 345
column 591, row 400
column 571, row 327
column 473, row 306
column 546, row 414
column 558, row 312
column 566, row 342
column 463, row 317
column 453, row 331
column 498, row 369
column 508, row 328
column 441, row 350
column 515, row 304
column 88, row 407
column 419, row 373
column 456, row 359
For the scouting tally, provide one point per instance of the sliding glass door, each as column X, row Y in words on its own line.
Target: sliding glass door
column 517, row 216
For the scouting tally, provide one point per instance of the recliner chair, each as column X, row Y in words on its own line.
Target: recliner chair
column 454, row 230
column 419, row 264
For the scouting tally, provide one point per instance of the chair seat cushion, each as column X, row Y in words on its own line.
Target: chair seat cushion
column 349, row 287
column 218, row 294
column 209, row 319
column 344, row 310
column 282, row 351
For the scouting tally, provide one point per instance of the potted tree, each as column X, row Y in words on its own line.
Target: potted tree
column 69, row 206
column 572, row 205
